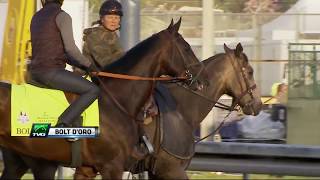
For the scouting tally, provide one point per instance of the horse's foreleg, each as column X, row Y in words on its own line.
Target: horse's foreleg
column 13, row 172
column 169, row 167
column 85, row 172
column 113, row 171
column 14, row 166
column 41, row 169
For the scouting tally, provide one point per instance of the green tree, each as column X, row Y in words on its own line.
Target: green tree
column 286, row 4
column 95, row 5
column 234, row 6
column 252, row 6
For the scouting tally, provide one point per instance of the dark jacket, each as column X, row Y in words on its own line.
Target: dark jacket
column 101, row 46
column 47, row 45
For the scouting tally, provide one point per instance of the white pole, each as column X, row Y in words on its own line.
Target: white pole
column 207, row 28
column 207, row 51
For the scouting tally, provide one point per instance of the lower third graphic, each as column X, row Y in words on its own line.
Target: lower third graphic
column 41, row 130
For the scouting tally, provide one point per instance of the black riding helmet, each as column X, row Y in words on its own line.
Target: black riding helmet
column 110, row 7
column 44, row 2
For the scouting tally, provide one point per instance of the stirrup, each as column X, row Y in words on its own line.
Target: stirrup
column 148, row 144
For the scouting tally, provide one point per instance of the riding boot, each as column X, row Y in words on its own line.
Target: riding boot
column 76, row 123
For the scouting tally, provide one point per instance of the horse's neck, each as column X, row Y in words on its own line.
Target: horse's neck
column 195, row 108
column 216, row 88
column 129, row 94
column 214, row 92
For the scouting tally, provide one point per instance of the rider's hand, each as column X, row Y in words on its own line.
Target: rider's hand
column 92, row 69
column 79, row 71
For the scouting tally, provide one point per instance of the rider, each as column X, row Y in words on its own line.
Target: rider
column 52, row 47
column 101, row 43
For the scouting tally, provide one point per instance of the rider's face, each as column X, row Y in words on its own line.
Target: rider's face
column 111, row 22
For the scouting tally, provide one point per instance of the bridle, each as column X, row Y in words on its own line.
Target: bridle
column 249, row 91
column 187, row 72
column 248, row 88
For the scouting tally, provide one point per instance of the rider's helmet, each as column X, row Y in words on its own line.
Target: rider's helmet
column 111, row 7
column 44, row 2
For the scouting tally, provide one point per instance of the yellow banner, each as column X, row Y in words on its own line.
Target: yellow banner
column 30, row 104
column 16, row 44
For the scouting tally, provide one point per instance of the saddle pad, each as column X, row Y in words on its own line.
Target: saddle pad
column 176, row 134
column 31, row 104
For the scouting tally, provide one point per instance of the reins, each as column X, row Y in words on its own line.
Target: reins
column 186, row 76
column 138, row 78
column 249, row 90
column 217, row 104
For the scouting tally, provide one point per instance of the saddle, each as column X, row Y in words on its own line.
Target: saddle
column 176, row 135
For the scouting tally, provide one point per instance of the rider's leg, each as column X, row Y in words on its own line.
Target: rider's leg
column 70, row 82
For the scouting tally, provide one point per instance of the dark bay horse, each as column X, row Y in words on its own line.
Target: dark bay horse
column 163, row 53
column 225, row 76
column 228, row 73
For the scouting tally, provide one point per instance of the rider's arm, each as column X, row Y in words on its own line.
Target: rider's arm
column 64, row 23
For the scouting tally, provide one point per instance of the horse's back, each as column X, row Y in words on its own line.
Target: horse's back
column 4, row 85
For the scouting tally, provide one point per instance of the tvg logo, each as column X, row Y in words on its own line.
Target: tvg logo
column 39, row 130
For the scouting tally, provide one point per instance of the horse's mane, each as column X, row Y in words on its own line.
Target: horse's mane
column 220, row 55
column 215, row 57
column 132, row 57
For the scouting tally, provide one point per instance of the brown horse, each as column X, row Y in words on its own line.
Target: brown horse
column 229, row 73
column 163, row 53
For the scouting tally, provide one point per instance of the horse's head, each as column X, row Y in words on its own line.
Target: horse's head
column 164, row 53
column 240, row 82
column 180, row 59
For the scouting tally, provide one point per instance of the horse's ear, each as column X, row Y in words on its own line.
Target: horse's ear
column 170, row 25
column 239, row 49
column 176, row 26
column 227, row 49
